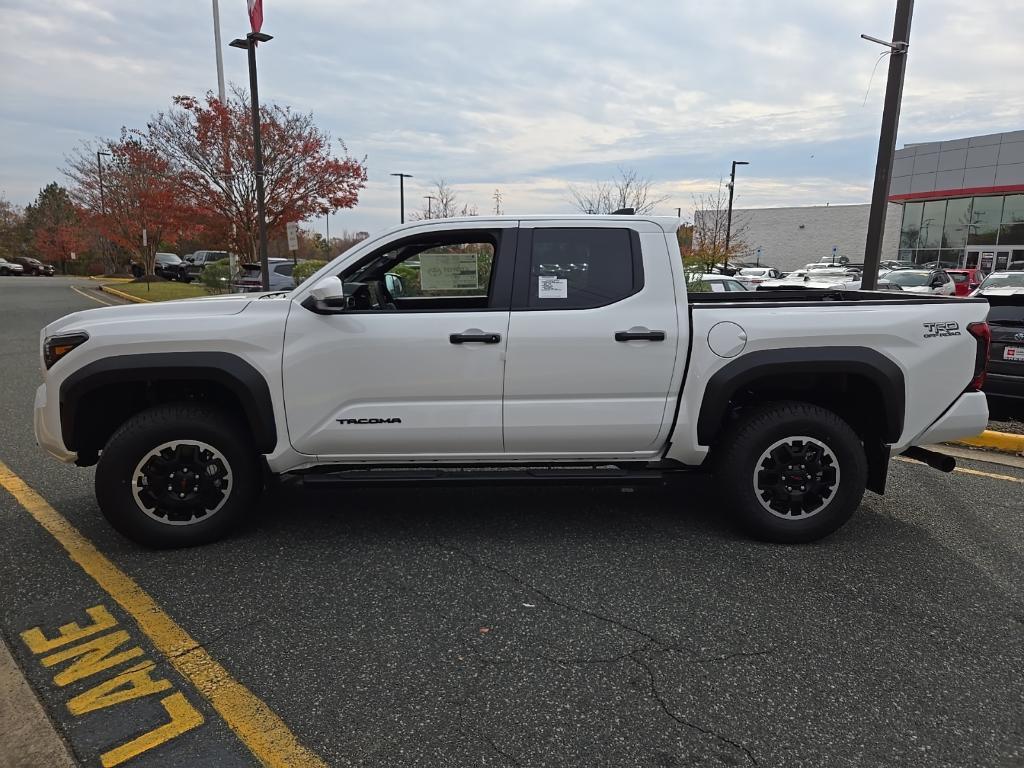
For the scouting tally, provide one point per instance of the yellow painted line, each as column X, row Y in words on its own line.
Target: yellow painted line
column 94, row 298
column 123, row 295
column 258, row 727
column 966, row 471
column 1000, row 441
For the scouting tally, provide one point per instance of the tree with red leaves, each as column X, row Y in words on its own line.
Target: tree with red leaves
column 55, row 225
column 141, row 194
column 210, row 146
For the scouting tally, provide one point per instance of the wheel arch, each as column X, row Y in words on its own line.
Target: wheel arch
column 100, row 396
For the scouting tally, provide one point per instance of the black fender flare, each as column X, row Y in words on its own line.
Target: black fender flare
column 800, row 361
column 228, row 370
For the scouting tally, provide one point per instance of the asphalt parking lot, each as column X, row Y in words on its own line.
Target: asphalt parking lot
column 525, row 627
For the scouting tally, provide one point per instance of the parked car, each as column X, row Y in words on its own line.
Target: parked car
column 496, row 381
column 964, row 280
column 199, row 260
column 249, row 278
column 754, row 276
column 824, row 279
column 931, row 281
column 171, row 266
column 1001, row 283
column 10, row 267
column 34, row 266
column 716, row 284
column 1005, row 376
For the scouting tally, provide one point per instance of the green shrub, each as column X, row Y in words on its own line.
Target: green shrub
column 306, row 268
column 216, row 277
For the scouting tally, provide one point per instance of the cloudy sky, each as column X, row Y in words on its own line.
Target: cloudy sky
column 528, row 96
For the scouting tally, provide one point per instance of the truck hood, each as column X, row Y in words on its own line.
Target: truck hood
column 203, row 306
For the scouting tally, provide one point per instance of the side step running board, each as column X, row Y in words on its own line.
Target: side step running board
column 510, row 476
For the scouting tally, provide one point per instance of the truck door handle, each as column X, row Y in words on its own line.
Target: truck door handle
column 477, row 338
column 639, row 335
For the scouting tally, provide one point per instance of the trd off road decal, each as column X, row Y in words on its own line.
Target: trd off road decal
column 934, row 330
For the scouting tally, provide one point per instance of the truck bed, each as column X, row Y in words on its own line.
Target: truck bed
column 813, row 296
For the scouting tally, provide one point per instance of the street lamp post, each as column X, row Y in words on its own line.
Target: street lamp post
column 728, row 218
column 401, row 191
column 430, row 200
column 103, row 206
column 249, row 43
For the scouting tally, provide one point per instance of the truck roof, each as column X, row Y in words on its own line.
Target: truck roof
column 668, row 224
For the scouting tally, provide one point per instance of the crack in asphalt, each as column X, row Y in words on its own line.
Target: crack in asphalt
column 632, row 655
column 548, row 598
column 658, row 697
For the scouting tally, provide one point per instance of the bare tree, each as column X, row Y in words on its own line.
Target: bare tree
column 444, row 204
column 628, row 190
column 710, row 221
column 497, row 202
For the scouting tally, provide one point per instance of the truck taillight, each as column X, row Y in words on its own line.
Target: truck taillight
column 983, row 335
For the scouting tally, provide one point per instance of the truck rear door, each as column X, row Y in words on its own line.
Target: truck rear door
column 593, row 338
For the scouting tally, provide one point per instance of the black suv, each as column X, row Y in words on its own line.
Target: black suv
column 1006, row 360
column 34, row 266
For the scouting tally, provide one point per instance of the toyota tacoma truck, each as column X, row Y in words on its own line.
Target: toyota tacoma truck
column 557, row 349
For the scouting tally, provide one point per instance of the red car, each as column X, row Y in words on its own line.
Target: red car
column 964, row 280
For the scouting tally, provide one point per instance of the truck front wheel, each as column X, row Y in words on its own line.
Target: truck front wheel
column 792, row 472
column 176, row 475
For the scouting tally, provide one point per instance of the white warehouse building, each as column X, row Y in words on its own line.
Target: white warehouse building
column 789, row 238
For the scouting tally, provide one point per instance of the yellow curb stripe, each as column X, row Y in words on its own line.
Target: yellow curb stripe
column 123, row 295
column 1000, row 441
column 92, row 298
column 258, row 727
column 966, row 471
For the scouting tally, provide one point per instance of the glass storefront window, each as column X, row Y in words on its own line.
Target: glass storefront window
column 926, row 257
column 985, row 218
column 950, row 257
column 911, row 225
column 1012, row 230
column 958, row 216
column 931, row 224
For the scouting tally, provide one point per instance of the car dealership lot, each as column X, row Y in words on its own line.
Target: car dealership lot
column 540, row 626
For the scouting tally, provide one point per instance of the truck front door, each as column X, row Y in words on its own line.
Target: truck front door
column 593, row 339
column 410, row 377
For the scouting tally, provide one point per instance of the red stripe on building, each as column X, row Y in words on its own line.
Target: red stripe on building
column 968, row 192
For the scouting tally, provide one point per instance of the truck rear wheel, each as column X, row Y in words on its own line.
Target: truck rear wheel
column 792, row 472
column 176, row 475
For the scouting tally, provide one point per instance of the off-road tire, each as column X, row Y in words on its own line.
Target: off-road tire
column 198, row 437
column 754, row 453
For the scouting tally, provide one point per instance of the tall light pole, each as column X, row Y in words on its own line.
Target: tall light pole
column 103, row 206
column 430, row 200
column 220, row 55
column 887, row 139
column 401, row 191
column 728, row 218
column 249, row 43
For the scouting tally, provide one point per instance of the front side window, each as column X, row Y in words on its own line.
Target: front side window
column 440, row 272
column 284, row 269
column 577, row 268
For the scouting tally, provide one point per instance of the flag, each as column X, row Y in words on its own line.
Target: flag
column 256, row 14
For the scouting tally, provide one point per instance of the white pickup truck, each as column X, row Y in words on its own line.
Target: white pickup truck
column 497, row 350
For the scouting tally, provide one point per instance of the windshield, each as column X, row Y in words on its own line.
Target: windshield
column 754, row 272
column 908, row 279
column 168, row 258
column 1004, row 280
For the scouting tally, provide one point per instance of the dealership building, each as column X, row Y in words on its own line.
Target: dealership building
column 962, row 201
column 957, row 202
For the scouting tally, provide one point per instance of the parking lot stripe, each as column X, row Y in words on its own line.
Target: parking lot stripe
column 966, row 471
column 258, row 727
column 101, row 301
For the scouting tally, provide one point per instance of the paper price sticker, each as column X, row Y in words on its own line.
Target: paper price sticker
column 551, row 287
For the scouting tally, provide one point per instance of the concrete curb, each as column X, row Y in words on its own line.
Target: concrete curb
column 998, row 441
column 123, row 295
column 104, row 278
column 28, row 737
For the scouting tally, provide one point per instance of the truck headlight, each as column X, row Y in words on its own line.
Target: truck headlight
column 55, row 347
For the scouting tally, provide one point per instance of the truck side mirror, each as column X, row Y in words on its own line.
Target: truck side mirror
column 327, row 297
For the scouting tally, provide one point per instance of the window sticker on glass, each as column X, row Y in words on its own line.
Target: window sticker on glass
column 449, row 271
column 551, row 287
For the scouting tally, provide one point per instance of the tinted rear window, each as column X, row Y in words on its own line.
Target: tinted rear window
column 958, row 277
